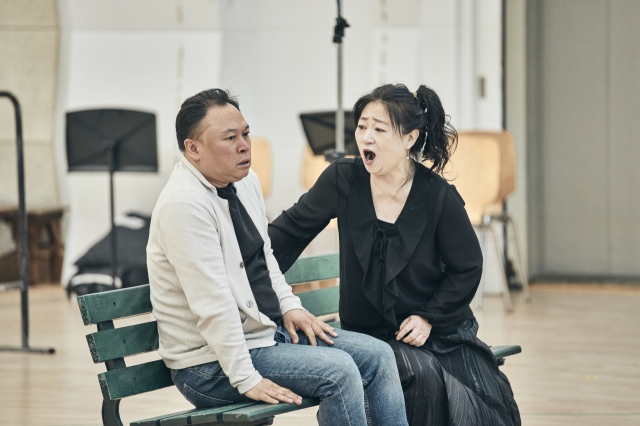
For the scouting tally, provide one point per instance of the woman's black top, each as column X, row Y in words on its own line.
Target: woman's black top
column 427, row 263
column 252, row 250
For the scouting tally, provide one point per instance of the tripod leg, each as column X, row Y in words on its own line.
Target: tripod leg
column 524, row 275
column 506, row 297
column 483, row 247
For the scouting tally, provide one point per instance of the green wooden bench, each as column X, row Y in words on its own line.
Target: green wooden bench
column 111, row 345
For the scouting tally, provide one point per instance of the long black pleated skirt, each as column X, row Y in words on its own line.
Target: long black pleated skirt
column 454, row 380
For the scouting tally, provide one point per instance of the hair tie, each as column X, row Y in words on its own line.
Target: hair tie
column 415, row 95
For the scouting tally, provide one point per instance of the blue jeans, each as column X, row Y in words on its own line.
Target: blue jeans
column 356, row 379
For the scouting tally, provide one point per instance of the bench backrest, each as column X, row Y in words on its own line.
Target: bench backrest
column 111, row 345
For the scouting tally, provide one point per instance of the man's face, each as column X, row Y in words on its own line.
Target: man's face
column 222, row 150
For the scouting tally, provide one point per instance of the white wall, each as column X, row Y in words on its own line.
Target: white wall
column 146, row 55
column 278, row 57
column 28, row 58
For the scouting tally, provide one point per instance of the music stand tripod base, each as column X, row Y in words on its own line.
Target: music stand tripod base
column 48, row 351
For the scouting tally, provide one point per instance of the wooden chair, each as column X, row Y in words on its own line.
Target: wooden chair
column 110, row 345
column 494, row 211
column 474, row 169
column 312, row 167
column 261, row 163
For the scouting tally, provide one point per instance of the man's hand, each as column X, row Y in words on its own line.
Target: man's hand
column 268, row 391
column 414, row 331
column 299, row 319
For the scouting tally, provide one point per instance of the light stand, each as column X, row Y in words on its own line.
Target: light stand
column 338, row 33
column 22, row 226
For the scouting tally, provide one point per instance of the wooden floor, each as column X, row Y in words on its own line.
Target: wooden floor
column 580, row 363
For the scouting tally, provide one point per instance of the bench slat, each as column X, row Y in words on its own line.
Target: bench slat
column 124, row 382
column 110, row 305
column 321, row 302
column 191, row 417
column 503, row 351
column 260, row 411
column 124, row 341
column 314, row 268
column 157, row 421
column 210, row 415
column 335, row 324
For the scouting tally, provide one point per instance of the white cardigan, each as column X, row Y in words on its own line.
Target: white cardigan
column 200, row 292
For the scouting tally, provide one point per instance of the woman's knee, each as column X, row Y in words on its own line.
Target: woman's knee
column 416, row 366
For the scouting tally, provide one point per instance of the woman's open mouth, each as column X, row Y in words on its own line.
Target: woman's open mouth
column 245, row 163
column 368, row 156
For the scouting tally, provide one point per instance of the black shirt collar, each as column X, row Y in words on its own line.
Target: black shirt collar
column 410, row 225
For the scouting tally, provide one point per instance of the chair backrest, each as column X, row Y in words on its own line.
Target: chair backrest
column 111, row 345
column 261, row 163
column 312, row 167
column 475, row 171
column 508, row 178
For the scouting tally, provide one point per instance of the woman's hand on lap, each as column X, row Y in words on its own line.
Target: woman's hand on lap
column 414, row 331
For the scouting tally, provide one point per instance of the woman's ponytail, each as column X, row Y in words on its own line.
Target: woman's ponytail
column 438, row 138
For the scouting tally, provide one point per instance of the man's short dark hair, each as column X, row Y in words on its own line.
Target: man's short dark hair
column 194, row 109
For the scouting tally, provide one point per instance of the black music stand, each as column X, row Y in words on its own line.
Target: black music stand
column 320, row 129
column 111, row 140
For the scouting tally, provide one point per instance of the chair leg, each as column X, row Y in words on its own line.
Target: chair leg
column 524, row 274
column 506, row 297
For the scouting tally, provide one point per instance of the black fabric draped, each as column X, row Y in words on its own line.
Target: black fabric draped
column 454, row 380
column 382, row 294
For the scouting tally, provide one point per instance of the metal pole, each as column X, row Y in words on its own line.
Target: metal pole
column 24, row 258
column 114, row 253
column 22, row 223
column 503, row 41
column 339, row 111
column 22, row 228
column 338, row 34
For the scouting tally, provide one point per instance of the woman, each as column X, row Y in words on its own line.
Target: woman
column 410, row 261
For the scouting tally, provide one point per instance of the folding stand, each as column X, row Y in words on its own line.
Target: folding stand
column 22, row 226
column 111, row 140
column 320, row 130
column 337, row 148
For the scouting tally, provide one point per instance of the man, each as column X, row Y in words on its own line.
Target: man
column 230, row 328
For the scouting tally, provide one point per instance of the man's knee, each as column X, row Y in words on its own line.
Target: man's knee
column 383, row 358
column 343, row 368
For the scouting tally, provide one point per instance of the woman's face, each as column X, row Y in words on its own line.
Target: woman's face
column 382, row 149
